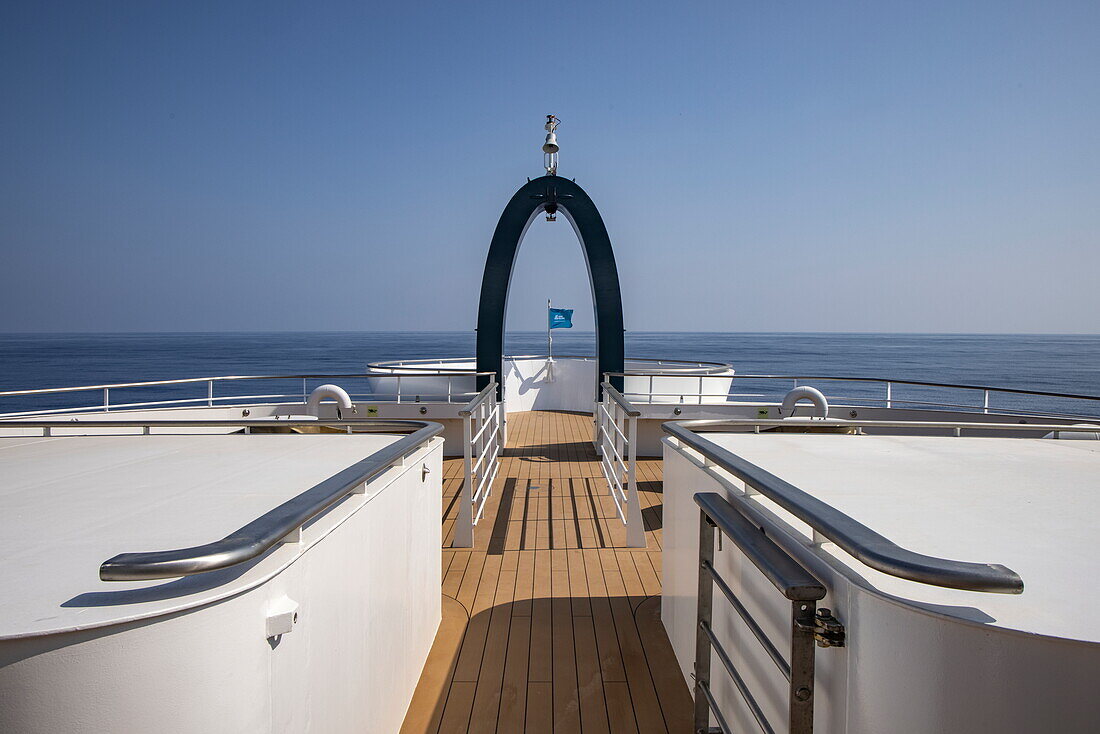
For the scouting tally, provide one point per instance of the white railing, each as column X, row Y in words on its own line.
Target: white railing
column 414, row 388
column 867, row 391
column 465, row 364
column 483, row 436
column 617, row 445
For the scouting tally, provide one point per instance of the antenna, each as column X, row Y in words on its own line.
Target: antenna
column 550, row 148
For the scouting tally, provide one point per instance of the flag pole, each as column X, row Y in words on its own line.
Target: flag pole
column 549, row 346
column 549, row 339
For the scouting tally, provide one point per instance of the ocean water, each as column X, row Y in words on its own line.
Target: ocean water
column 1054, row 363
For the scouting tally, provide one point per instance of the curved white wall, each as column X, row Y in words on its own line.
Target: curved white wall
column 369, row 606
column 532, row 383
column 904, row 669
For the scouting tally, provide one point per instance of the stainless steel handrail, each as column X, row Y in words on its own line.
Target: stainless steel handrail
column 855, row 538
column 785, row 573
column 717, row 424
column 268, row 530
column 622, row 402
column 884, row 380
column 364, row 425
column 220, row 378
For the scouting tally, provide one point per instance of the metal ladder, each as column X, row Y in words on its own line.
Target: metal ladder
column 809, row 625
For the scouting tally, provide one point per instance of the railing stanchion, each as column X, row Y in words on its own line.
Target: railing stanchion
column 596, row 426
column 209, row 393
column 704, row 616
column 635, row 531
column 464, row 525
column 106, row 400
column 985, row 401
column 801, row 710
column 616, row 467
column 889, row 390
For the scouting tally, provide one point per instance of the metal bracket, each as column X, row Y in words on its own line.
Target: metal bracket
column 828, row 631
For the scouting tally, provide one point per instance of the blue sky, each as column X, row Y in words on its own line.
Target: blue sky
column 869, row 166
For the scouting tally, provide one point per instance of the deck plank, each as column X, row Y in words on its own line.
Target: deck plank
column 551, row 624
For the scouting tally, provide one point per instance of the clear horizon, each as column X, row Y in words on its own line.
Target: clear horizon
column 850, row 168
column 575, row 332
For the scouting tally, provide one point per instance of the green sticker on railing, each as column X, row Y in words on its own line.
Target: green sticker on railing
column 761, row 412
column 372, row 410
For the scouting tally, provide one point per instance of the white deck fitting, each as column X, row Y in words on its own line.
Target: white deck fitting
column 73, row 502
column 1030, row 504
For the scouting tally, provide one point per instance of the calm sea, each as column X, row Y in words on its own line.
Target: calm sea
column 1055, row 363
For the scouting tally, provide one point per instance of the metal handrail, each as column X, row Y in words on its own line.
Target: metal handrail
column 269, row 529
column 218, row 378
column 1014, row 390
column 718, row 424
column 786, row 574
column 855, row 538
column 618, row 398
column 477, row 400
column 411, row 363
column 881, row 380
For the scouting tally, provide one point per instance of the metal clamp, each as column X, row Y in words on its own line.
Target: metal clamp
column 827, row 629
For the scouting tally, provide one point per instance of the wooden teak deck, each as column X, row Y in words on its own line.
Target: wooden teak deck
column 550, row 623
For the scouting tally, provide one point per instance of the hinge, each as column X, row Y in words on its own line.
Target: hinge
column 828, row 631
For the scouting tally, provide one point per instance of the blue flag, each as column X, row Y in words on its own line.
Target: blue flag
column 561, row 318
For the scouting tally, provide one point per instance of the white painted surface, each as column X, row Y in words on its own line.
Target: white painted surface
column 569, row 383
column 200, row 658
column 919, row 658
column 442, row 413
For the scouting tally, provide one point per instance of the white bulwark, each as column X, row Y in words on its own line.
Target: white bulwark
column 278, row 643
column 918, row 657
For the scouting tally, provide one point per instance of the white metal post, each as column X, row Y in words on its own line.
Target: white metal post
column 635, row 533
column 619, row 448
column 209, row 393
column 596, row 418
column 464, row 524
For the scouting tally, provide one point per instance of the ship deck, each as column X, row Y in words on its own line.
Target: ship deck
column 550, row 623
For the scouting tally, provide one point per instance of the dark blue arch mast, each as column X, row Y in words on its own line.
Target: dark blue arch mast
column 550, row 194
